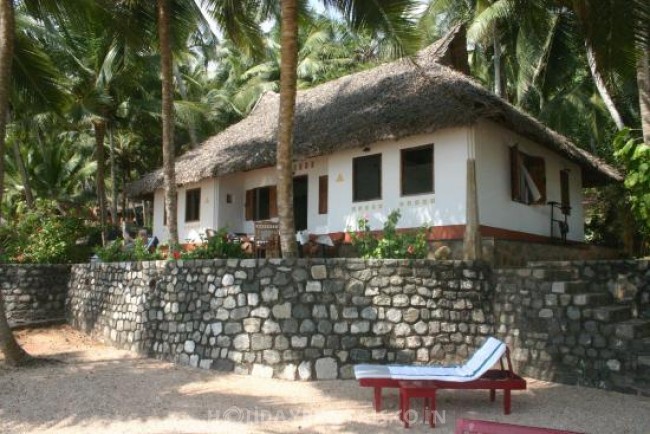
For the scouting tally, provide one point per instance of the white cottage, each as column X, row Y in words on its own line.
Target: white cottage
column 394, row 137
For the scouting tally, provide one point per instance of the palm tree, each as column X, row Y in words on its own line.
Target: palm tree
column 392, row 19
column 14, row 354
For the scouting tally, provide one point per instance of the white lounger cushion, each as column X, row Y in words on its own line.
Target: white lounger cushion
column 482, row 360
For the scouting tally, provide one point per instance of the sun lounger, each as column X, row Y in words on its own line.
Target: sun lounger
column 474, row 374
column 470, row 426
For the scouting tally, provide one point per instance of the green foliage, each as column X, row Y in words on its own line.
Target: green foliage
column 392, row 244
column 43, row 235
column 218, row 246
column 634, row 155
column 117, row 251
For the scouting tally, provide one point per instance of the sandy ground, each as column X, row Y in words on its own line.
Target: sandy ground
column 100, row 389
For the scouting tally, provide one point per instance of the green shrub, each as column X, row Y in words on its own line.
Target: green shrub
column 117, row 251
column 43, row 235
column 391, row 244
column 217, row 247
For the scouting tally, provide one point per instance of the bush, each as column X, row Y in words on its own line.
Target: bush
column 217, row 247
column 43, row 235
column 117, row 251
column 391, row 244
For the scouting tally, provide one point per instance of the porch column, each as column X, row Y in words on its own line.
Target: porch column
column 472, row 239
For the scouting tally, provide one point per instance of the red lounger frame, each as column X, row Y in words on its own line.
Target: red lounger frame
column 469, row 426
column 494, row 379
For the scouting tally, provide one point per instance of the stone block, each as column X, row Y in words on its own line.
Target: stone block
column 326, row 368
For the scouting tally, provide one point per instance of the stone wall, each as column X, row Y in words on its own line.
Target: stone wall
column 34, row 293
column 578, row 322
column 292, row 319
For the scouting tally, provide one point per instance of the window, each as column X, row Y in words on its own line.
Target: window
column 417, row 170
column 565, row 202
column 322, row 194
column 366, row 178
column 528, row 178
column 193, row 205
column 261, row 203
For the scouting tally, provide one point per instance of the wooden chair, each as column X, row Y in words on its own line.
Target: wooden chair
column 267, row 239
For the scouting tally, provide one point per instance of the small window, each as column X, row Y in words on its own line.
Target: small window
column 564, row 192
column 322, row 194
column 528, row 178
column 417, row 170
column 366, row 178
column 193, row 205
column 261, row 203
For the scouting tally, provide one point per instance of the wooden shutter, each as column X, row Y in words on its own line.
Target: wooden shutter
column 515, row 174
column 537, row 169
column 322, row 194
column 273, row 201
column 250, row 204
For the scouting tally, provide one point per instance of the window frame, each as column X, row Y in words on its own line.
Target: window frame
column 516, row 174
column 252, row 194
column 402, row 174
column 188, row 192
column 354, row 177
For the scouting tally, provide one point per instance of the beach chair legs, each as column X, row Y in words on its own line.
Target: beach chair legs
column 377, row 399
column 506, row 401
column 493, row 395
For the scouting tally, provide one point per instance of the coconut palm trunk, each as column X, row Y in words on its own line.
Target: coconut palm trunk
column 599, row 81
column 111, row 142
column 166, row 60
column 288, row 79
column 643, row 81
column 100, row 134
column 29, row 196
column 14, row 354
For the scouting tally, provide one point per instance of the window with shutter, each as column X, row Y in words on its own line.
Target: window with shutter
column 261, row 203
column 528, row 178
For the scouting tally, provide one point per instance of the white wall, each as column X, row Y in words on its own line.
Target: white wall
column 232, row 215
column 446, row 206
column 496, row 206
column 209, row 194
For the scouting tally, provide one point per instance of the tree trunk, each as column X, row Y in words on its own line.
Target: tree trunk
column 498, row 84
column 166, row 61
column 7, row 33
column 643, row 81
column 29, row 197
column 124, row 209
column 114, row 198
column 14, row 354
column 472, row 249
column 599, row 81
column 100, row 134
column 288, row 78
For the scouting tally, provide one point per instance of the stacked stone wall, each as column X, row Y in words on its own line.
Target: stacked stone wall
column 293, row 319
column 34, row 293
column 578, row 322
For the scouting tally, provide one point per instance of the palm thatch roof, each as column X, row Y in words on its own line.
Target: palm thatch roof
column 392, row 101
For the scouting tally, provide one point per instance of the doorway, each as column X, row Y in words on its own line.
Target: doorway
column 300, row 187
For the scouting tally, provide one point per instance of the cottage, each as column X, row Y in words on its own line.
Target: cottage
column 394, row 137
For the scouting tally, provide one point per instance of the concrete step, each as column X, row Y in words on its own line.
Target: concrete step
column 633, row 329
column 613, row 313
column 592, row 299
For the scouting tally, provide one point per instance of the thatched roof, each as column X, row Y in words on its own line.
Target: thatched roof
column 391, row 101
